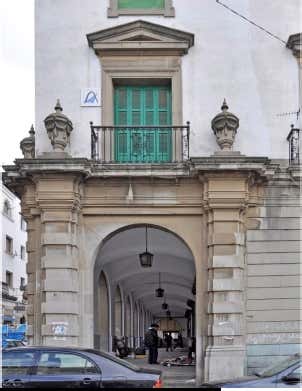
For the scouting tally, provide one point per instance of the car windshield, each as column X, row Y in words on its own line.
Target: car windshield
column 115, row 359
column 280, row 366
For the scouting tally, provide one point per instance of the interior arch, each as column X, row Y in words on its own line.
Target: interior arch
column 118, row 258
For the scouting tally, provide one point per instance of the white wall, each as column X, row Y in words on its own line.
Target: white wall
column 231, row 58
column 12, row 228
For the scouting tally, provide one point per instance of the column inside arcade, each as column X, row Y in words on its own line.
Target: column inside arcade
column 226, row 198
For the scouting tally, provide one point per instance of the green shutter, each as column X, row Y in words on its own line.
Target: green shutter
column 146, row 106
column 141, row 4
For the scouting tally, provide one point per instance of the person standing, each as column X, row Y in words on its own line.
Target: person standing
column 192, row 349
column 168, row 341
column 151, row 342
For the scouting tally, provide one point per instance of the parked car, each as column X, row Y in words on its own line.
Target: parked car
column 286, row 373
column 57, row 368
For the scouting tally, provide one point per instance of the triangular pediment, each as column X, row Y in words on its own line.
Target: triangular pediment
column 140, row 35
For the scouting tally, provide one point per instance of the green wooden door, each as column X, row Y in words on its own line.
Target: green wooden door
column 143, row 106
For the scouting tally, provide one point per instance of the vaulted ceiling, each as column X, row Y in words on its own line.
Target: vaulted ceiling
column 119, row 257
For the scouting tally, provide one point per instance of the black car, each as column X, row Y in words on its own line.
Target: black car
column 286, row 373
column 56, row 368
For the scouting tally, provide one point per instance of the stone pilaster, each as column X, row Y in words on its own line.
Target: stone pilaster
column 58, row 199
column 31, row 213
column 226, row 201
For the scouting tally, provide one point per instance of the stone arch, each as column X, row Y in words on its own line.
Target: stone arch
column 175, row 229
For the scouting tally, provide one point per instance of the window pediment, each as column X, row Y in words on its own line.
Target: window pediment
column 140, row 36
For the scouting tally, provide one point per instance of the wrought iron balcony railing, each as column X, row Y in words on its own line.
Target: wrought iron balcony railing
column 293, row 139
column 140, row 144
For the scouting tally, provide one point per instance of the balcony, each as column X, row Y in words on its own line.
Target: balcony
column 140, row 144
column 7, row 293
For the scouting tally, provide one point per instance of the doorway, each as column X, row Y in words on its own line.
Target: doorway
column 142, row 116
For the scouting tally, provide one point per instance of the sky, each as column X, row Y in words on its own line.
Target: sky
column 16, row 75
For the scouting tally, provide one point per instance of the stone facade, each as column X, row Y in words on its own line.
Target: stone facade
column 219, row 206
column 274, row 273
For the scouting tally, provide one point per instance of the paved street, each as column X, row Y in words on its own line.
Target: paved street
column 173, row 377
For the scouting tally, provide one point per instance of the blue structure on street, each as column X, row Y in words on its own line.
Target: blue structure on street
column 13, row 334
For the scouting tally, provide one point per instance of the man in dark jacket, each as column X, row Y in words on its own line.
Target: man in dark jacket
column 151, row 342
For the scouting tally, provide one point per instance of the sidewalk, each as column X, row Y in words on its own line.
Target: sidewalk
column 173, row 377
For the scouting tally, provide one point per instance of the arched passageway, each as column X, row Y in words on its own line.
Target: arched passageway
column 135, row 303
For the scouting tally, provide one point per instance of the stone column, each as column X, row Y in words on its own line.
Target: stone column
column 59, row 199
column 226, row 199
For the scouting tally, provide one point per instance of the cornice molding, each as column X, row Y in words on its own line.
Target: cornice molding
column 140, row 36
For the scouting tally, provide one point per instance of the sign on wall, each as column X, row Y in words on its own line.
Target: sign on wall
column 90, row 97
column 59, row 330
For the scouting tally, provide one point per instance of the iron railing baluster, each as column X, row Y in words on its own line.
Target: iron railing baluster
column 106, row 135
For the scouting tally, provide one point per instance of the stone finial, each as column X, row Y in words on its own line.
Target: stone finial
column 58, row 127
column 294, row 43
column 225, row 125
column 27, row 145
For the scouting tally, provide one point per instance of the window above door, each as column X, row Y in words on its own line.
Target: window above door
column 140, row 7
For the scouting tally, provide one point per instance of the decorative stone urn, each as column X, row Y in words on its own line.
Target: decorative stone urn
column 58, row 128
column 27, row 145
column 225, row 125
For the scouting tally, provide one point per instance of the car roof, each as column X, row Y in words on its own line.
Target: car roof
column 59, row 348
column 85, row 350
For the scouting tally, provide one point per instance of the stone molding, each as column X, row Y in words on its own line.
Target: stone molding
column 140, row 37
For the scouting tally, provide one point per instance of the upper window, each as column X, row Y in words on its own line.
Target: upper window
column 7, row 209
column 23, row 224
column 9, row 245
column 140, row 7
column 22, row 252
column 9, row 278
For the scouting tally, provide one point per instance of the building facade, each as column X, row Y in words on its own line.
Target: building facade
column 14, row 259
column 123, row 196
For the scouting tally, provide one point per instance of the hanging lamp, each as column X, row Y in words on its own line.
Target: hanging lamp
column 164, row 306
column 159, row 292
column 146, row 258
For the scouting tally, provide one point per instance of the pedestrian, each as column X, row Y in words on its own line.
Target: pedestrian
column 180, row 341
column 151, row 342
column 168, row 341
column 192, row 349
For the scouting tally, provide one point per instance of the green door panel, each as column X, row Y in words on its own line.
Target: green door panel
column 142, row 106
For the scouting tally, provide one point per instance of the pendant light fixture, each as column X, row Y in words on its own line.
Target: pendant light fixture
column 159, row 292
column 146, row 258
column 164, row 306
